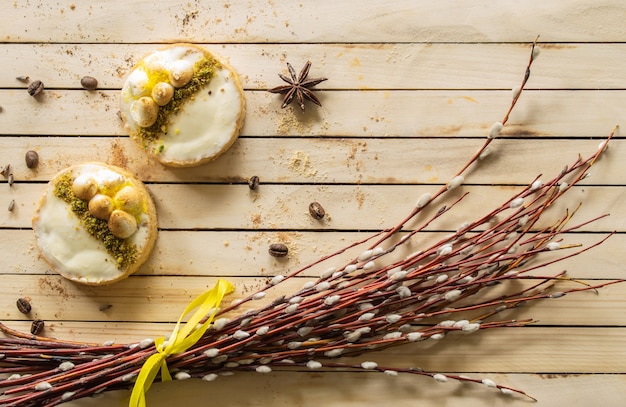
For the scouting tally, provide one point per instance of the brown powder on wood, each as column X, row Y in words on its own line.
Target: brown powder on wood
column 360, row 197
column 45, row 283
column 118, row 158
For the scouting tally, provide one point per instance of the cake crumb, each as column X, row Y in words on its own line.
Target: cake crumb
column 300, row 163
column 290, row 123
column 256, row 220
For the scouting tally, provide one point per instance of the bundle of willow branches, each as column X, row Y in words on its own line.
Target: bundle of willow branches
column 377, row 300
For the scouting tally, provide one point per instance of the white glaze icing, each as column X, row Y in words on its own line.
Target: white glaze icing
column 204, row 125
column 68, row 246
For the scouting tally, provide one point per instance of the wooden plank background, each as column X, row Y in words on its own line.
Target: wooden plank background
column 413, row 88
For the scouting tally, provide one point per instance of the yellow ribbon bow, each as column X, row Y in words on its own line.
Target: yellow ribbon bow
column 179, row 341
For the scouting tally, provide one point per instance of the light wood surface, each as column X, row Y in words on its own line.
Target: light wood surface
column 413, row 89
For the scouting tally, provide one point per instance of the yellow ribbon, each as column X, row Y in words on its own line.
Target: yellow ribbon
column 179, row 341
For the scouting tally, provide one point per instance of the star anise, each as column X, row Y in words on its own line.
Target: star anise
column 298, row 86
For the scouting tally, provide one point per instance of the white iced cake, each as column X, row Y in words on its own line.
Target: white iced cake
column 183, row 105
column 95, row 223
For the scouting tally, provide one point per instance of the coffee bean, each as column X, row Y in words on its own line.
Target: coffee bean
column 37, row 326
column 23, row 305
column 316, row 210
column 35, row 88
column 89, row 82
column 278, row 250
column 32, row 159
column 253, row 182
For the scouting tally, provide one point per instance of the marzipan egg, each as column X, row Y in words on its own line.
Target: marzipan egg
column 162, row 93
column 181, row 72
column 122, row 224
column 137, row 81
column 129, row 199
column 101, row 206
column 85, row 187
column 144, row 111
